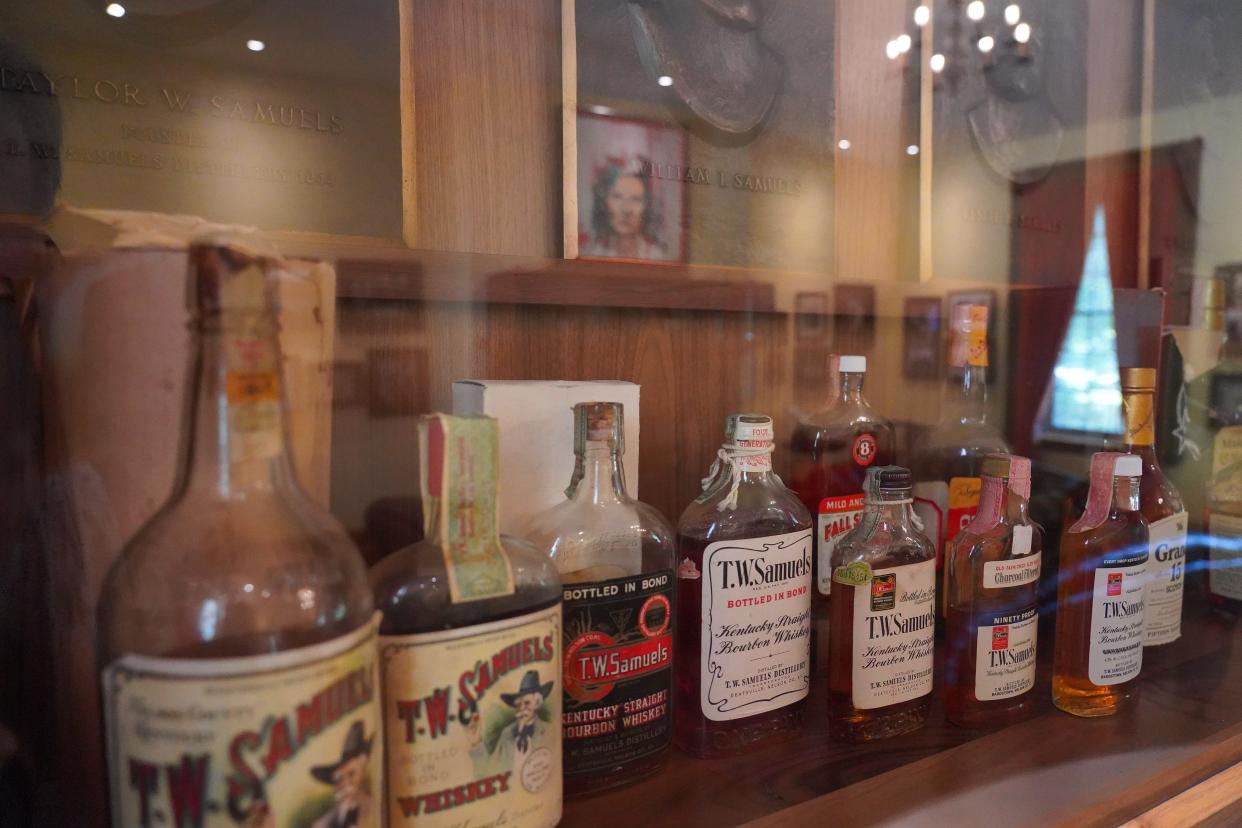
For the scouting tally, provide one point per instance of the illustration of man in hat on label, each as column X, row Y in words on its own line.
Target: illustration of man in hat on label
column 519, row 740
column 353, row 805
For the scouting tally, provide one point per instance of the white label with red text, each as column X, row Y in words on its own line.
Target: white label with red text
column 894, row 631
column 837, row 516
column 291, row 738
column 756, row 616
column 1166, row 575
column 1005, row 654
column 1117, row 618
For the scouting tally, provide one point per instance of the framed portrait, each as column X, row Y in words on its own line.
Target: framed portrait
column 921, row 337
column 626, row 208
column 987, row 298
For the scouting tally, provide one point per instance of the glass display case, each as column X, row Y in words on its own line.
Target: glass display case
column 889, row 350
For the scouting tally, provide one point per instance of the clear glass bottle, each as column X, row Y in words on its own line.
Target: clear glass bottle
column 882, row 609
column 470, row 648
column 1162, row 508
column 240, row 588
column 946, row 469
column 1100, row 593
column 743, row 588
column 615, row 555
column 830, row 454
column 992, row 622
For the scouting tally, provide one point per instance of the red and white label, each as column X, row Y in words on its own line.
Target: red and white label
column 864, row 449
column 837, row 516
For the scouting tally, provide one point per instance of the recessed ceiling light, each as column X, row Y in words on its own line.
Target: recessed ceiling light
column 922, row 14
column 904, row 43
column 936, row 62
column 986, row 43
column 1013, row 13
column 256, row 45
column 844, row 143
column 1022, row 32
column 892, row 49
column 913, row 149
column 115, row 10
column 664, row 80
column 976, row 10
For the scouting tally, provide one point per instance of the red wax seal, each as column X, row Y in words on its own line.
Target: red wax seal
column 864, row 449
column 655, row 602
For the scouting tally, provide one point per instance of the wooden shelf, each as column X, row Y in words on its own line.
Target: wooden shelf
column 1053, row 769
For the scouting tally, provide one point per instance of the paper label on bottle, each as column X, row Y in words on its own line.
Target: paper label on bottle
column 1226, row 447
column 1166, row 577
column 473, row 718
column 1016, row 571
column 1139, row 418
column 864, row 449
column 963, row 503
column 252, row 388
column 1005, row 654
column 931, row 505
column 282, row 739
column 837, row 516
column 894, row 632
column 1117, row 619
column 606, row 553
column 618, row 671
column 1225, row 556
column 756, row 616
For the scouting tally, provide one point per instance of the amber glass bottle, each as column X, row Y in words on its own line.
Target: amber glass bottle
column 743, row 667
column 1100, row 593
column 992, row 578
column 830, row 454
column 1162, row 508
column 241, row 604
column 881, row 627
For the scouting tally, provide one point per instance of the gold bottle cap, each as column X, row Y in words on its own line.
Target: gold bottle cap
column 1138, row 379
column 995, row 465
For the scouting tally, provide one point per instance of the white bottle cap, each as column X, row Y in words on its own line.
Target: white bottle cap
column 852, row 365
column 1128, row 465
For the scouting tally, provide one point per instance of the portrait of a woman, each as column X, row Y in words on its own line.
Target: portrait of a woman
column 624, row 219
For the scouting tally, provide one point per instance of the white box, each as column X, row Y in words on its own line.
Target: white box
column 537, row 436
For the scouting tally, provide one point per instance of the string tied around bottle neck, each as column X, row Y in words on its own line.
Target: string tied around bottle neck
column 731, row 455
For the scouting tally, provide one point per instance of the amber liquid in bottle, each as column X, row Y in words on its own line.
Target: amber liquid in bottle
column 721, row 538
column 881, row 609
column 830, row 454
column 1100, row 594
column 992, row 624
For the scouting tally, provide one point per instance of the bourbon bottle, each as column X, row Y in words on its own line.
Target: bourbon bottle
column 1162, row 508
column 1100, row 593
column 470, row 650
column 743, row 604
column 615, row 557
column 237, row 634
column 831, row 452
column 992, row 580
column 946, row 470
column 882, row 618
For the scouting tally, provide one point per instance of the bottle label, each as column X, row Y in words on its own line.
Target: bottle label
column 1225, row 559
column 1117, row 619
column 894, row 632
column 963, row 503
column 1005, row 654
column 1226, row 447
column 594, row 556
column 618, row 671
column 931, row 505
column 837, row 516
column 756, row 634
column 473, row 723
column 281, row 739
column 864, row 450
column 1014, row 572
column 1166, row 573
column 1140, row 423
column 252, row 387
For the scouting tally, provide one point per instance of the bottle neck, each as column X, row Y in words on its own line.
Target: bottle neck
column 236, row 446
column 894, row 508
column 850, row 388
column 1140, row 435
column 966, row 402
column 599, row 475
column 1126, row 494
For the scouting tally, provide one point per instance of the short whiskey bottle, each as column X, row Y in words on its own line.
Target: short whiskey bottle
column 743, row 604
column 883, row 601
column 237, row 634
column 992, row 581
column 831, row 452
column 615, row 557
column 1101, row 585
column 470, row 650
column 1162, row 508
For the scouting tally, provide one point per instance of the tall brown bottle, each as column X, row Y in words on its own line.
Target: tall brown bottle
column 236, row 629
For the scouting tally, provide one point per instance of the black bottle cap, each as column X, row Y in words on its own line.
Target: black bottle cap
column 889, row 478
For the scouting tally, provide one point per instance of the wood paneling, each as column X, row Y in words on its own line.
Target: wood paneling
column 487, row 89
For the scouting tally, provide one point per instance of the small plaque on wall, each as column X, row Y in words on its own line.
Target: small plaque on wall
column 276, row 113
column 700, row 131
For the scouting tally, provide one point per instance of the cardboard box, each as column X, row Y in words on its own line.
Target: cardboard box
column 537, row 437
